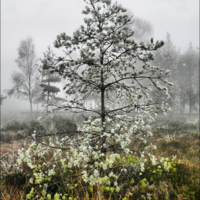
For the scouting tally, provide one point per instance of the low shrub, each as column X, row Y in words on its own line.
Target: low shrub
column 162, row 178
column 15, row 126
column 33, row 126
column 6, row 138
column 64, row 125
column 176, row 145
column 16, row 130
column 19, row 136
column 49, row 174
column 172, row 125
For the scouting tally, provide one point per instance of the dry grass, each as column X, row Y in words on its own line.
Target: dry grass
column 186, row 147
column 14, row 146
column 9, row 148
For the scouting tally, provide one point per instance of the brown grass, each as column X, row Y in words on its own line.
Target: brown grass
column 190, row 157
column 13, row 147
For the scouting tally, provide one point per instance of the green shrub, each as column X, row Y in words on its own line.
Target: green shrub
column 19, row 136
column 189, row 127
column 15, row 179
column 171, row 125
column 58, row 124
column 176, row 145
column 6, row 138
column 15, row 126
column 183, row 178
column 63, row 124
column 35, row 126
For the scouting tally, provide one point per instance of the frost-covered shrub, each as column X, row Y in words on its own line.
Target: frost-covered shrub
column 93, row 168
column 59, row 172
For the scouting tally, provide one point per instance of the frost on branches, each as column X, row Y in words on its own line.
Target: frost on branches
column 115, row 71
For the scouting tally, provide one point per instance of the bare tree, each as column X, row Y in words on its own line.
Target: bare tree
column 25, row 82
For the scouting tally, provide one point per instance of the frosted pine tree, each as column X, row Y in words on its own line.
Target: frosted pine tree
column 112, row 68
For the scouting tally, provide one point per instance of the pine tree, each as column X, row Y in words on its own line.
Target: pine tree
column 106, row 69
column 48, row 78
column 188, row 79
column 112, row 68
column 167, row 58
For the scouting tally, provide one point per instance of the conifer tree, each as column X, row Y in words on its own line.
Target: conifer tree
column 112, row 68
column 167, row 59
column 188, row 79
column 48, row 78
column 106, row 69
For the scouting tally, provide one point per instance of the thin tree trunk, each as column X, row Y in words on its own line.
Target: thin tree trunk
column 102, row 97
column 190, row 89
column 31, row 109
column 103, row 150
column 48, row 93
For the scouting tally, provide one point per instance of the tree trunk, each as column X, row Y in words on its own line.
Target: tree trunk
column 29, row 92
column 102, row 94
column 37, row 106
column 31, row 109
column 190, row 111
column 190, row 88
column 103, row 149
column 102, row 107
column 48, row 94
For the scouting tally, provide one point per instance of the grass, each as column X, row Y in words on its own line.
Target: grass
column 181, row 182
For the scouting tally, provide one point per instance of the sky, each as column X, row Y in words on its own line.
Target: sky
column 43, row 20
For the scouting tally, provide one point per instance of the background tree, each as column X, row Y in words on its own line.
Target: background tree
column 143, row 30
column 48, row 78
column 167, row 59
column 188, row 79
column 24, row 82
column 38, row 98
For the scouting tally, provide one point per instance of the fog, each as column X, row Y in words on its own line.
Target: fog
column 43, row 20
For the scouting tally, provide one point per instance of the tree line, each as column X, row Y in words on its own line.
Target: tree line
column 184, row 69
column 36, row 84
